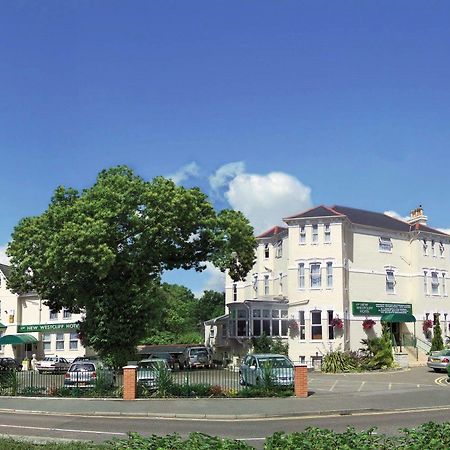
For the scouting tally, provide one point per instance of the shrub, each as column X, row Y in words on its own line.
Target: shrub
column 437, row 343
column 337, row 361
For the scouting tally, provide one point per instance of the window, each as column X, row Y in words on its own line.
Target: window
column 66, row 314
column 441, row 249
column 390, row 281
column 315, row 277
column 272, row 322
column 329, row 274
column 59, row 341
column 315, row 233
column 434, row 283
column 433, row 249
column 330, row 325
column 280, row 277
column 327, row 233
column 316, row 325
column 234, row 292
column 279, row 251
column 73, row 343
column 255, row 283
column 266, row 284
column 425, row 282
column 425, row 247
column 444, row 287
column 266, row 251
column 385, row 244
column 53, row 315
column 256, row 322
column 301, row 276
column 302, row 235
column 301, row 325
column 242, row 322
column 47, row 342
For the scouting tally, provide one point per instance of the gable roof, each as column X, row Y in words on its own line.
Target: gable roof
column 318, row 211
column 272, row 232
column 5, row 269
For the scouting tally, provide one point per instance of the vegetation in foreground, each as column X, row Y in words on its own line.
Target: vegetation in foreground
column 431, row 436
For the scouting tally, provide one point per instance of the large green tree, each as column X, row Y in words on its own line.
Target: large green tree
column 102, row 251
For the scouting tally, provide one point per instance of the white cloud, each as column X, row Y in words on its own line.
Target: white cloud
column 225, row 174
column 3, row 258
column 215, row 280
column 396, row 215
column 189, row 170
column 266, row 199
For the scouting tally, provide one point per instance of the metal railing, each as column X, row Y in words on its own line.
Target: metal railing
column 32, row 383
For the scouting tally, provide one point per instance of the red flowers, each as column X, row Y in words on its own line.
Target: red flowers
column 427, row 324
column 337, row 323
column 368, row 324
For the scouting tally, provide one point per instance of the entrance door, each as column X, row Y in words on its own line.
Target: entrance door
column 395, row 330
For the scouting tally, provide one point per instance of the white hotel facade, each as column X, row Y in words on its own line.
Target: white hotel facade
column 28, row 327
column 316, row 280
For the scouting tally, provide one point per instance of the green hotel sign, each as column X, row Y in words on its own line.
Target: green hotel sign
column 48, row 327
column 379, row 309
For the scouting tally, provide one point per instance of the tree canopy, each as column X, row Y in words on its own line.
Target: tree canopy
column 102, row 252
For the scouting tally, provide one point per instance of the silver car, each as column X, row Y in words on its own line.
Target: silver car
column 149, row 370
column 85, row 374
column 438, row 361
column 259, row 369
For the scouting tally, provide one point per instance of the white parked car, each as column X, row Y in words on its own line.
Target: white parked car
column 54, row 364
column 148, row 372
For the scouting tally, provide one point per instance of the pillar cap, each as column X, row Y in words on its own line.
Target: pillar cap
column 130, row 366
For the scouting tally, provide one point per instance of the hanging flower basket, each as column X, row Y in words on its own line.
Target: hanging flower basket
column 337, row 323
column 368, row 324
column 427, row 325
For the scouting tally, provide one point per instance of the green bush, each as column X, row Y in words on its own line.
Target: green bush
column 260, row 391
column 337, row 361
column 437, row 343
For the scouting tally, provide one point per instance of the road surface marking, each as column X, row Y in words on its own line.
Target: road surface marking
column 67, row 430
column 390, row 386
column 362, row 385
column 334, row 385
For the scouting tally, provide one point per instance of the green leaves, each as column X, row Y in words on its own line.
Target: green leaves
column 103, row 251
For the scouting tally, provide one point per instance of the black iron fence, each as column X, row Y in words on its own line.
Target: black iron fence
column 32, row 383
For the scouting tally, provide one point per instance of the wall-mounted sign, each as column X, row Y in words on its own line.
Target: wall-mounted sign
column 379, row 309
column 48, row 327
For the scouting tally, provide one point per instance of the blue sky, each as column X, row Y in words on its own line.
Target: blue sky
column 287, row 103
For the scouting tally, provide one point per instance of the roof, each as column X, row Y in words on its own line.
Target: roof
column 5, row 269
column 318, row 211
column 272, row 232
column 364, row 217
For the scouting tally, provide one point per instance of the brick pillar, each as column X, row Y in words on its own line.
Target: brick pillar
column 129, row 382
column 301, row 381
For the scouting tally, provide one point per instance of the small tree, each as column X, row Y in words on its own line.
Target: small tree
column 437, row 343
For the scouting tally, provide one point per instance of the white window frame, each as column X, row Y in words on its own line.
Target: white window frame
column 315, row 276
column 385, row 244
column 425, row 247
column 434, row 283
column 316, row 325
column 302, row 238
column 255, row 284
column 444, row 285
column 425, row 282
column 390, row 281
column 327, row 233
column 58, row 341
column 315, row 234
column 301, row 275
column 266, row 285
column 53, row 315
column 73, row 339
column 66, row 314
column 280, row 277
column 266, row 251
column 234, row 290
column 441, row 249
column 279, row 249
column 329, row 269
column 433, row 249
column 47, row 342
column 301, row 326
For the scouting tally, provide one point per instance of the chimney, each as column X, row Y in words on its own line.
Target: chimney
column 417, row 217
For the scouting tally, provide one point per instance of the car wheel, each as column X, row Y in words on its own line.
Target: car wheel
column 241, row 379
column 437, row 370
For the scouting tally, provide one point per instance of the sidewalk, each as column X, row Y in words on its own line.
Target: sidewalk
column 232, row 409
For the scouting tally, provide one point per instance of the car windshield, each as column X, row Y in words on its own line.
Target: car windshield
column 82, row 367
column 198, row 351
column 150, row 365
column 275, row 362
column 443, row 353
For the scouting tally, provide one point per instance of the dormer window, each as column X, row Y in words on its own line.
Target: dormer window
column 266, row 251
column 385, row 244
column 279, row 250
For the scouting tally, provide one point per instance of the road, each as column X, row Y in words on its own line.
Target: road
column 253, row 431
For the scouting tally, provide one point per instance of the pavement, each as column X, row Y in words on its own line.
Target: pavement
column 329, row 394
